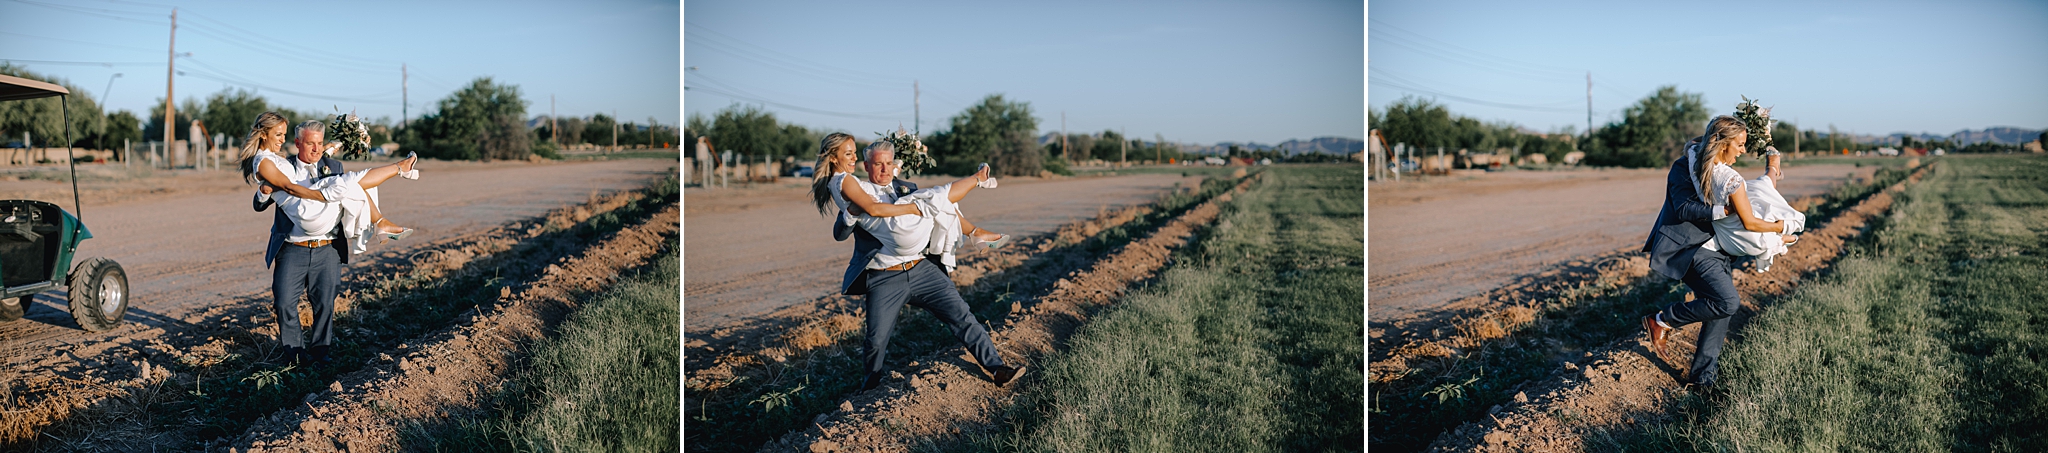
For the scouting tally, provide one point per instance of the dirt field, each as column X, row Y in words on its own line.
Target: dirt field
column 1432, row 241
column 193, row 253
column 751, row 251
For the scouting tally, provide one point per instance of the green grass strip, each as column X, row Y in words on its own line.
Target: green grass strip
column 1253, row 343
column 1927, row 337
column 605, row 382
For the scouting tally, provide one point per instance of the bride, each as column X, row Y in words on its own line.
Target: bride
column 315, row 203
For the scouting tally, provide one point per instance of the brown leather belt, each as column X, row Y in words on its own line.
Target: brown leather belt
column 904, row 266
column 314, row 244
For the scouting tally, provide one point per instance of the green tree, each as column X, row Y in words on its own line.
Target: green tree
column 747, row 130
column 1418, row 122
column 187, row 110
column 1652, row 132
column 231, row 112
column 43, row 118
column 995, row 131
column 484, row 120
column 121, row 127
column 1106, row 146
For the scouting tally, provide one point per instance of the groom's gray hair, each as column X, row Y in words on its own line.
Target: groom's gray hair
column 878, row 145
column 312, row 125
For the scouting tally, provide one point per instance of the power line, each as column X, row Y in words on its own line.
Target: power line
column 1479, row 101
column 260, row 38
column 86, row 63
column 1383, row 26
column 792, row 68
column 221, row 79
column 1469, row 61
column 791, row 107
column 103, row 13
column 884, row 78
column 735, row 89
column 1388, row 76
column 74, row 41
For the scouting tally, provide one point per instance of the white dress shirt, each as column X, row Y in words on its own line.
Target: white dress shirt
column 909, row 237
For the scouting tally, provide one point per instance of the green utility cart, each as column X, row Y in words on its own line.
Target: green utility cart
column 38, row 240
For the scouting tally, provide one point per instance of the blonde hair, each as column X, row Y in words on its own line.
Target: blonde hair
column 253, row 145
column 1721, row 134
column 821, row 175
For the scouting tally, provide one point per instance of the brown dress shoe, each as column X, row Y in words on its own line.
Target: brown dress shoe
column 1003, row 374
column 1657, row 334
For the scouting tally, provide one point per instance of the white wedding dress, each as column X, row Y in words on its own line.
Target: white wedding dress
column 347, row 205
column 936, row 231
column 1769, row 205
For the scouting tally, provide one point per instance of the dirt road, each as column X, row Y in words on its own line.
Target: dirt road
column 751, row 251
column 1436, row 240
column 196, row 243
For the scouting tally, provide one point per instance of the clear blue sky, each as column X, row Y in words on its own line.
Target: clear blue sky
column 1866, row 67
column 594, row 56
column 1197, row 72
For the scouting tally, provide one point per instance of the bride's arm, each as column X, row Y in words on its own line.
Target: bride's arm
column 275, row 178
column 1739, row 200
column 860, row 199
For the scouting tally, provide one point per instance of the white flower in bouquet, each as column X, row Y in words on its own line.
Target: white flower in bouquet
column 909, row 150
column 1757, row 121
column 348, row 131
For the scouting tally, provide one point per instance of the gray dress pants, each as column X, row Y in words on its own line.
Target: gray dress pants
column 1714, row 301
column 923, row 286
column 311, row 272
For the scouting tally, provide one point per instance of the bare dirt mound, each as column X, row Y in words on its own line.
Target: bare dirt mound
column 948, row 394
column 201, row 381
column 1621, row 386
column 447, row 373
column 1443, row 239
column 753, row 251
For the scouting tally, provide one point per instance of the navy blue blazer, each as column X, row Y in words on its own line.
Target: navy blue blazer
column 281, row 226
column 865, row 245
column 1682, row 225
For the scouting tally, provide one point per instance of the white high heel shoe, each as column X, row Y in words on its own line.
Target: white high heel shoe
column 413, row 174
column 989, row 183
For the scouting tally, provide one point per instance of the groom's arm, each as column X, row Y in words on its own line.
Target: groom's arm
column 1688, row 207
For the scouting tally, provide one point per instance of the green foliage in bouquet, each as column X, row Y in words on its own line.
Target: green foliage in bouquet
column 1758, row 122
column 910, row 152
column 347, row 130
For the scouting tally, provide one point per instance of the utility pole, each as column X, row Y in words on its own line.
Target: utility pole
column 1795, row 136
column 404, row 82
column 171, row 86
column 1123, row 149
column 1064, row 150
column 1158, row 148
column 1589, row 104
column 615, row 129
column 916, row 118
column 1831, row 139
column 554, row 129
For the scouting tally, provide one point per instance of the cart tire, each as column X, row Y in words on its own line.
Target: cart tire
column 13, row 307
column 99, row 294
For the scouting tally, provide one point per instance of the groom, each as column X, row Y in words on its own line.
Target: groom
column 304, row 263
column 1683, row 226
column 920, row 282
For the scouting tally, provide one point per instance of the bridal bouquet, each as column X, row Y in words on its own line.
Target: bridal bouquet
column 348, row 130
column 1758, row 122
column 909, row 151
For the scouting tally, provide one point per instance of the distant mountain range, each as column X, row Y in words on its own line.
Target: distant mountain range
column 2000, row 134
column 1330, row 145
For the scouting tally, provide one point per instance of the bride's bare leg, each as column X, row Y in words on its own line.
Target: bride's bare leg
column 960, row 188
column 376, row 176
column 383, row 225
column 976, row 232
